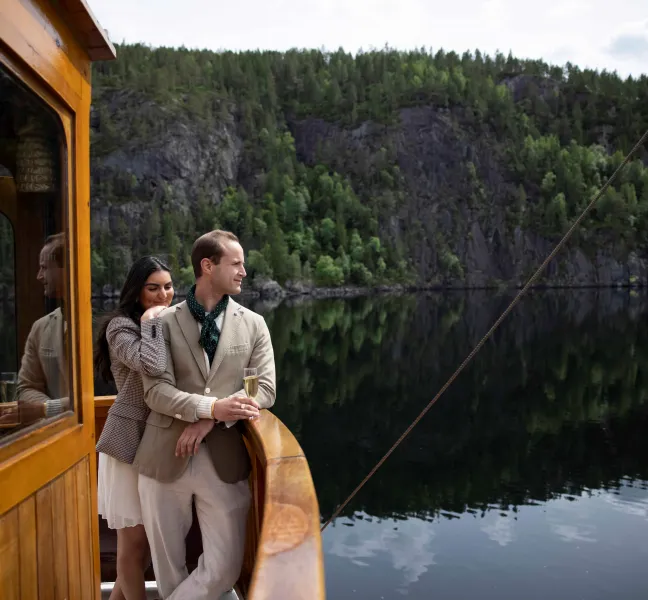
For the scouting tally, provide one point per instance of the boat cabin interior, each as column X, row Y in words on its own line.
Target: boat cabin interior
column 52, row 543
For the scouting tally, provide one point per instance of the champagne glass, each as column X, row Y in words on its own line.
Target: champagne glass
column 7, row 387
column 251, row 382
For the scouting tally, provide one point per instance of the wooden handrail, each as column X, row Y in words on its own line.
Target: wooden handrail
column 283, row 554
column 288, row 562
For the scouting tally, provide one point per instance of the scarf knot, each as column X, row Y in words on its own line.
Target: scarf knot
column 210, row 334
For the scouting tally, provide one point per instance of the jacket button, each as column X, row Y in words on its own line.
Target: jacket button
column 178, row 416
column 207, row 390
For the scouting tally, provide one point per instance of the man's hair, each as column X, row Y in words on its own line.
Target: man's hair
column 56, row 245
column 211, row 246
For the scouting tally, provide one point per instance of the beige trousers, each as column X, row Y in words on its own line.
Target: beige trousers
column 222, row 510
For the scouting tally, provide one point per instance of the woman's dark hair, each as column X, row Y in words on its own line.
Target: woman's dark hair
column 129, row 306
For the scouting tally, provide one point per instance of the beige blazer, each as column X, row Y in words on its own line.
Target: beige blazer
column 43, row 370
column 173, row 397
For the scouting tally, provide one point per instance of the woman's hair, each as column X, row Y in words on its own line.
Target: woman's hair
column 129, row 306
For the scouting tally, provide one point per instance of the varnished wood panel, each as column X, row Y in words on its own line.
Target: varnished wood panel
column 89, row 31
column 86, row 521
column 47, row 476
column 59, row 536
column 46, row 542
column 10, row 553
column 28, row 549
column 37, row 46
column 45, row 39
column 72, row 533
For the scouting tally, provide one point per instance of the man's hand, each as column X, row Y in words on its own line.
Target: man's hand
column 30, row 412
column 9, row 416
column 193, row 434
column 235, row 408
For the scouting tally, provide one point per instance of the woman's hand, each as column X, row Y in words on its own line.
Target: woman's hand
column 151, row 313
column 193, row 434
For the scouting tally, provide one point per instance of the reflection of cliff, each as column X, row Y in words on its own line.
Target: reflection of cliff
column 554, row 403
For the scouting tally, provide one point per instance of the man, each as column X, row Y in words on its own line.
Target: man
column 42, row 386
column 209, row 339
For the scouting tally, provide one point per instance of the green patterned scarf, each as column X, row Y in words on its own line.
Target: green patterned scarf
column 210, row 333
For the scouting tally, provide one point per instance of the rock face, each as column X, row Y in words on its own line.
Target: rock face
column 268, row 289
column 433, row 148
column 435, row 151
column 174, row 168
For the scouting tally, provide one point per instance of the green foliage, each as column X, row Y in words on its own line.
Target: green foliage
column 328, row 273
column 258, row 265
column 568, row 179
column 545, row 122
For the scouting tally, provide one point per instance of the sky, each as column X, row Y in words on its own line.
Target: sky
column 589, row 33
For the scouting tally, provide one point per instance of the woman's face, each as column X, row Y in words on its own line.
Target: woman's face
column 157, row 291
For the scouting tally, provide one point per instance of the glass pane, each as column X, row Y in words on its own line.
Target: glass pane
column 34, row 340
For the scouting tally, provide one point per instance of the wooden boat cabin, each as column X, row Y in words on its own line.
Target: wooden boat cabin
column 49, row 418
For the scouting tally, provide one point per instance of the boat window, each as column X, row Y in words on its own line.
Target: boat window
column 34, row 277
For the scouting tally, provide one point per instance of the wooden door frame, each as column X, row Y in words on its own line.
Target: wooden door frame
column 39, row 49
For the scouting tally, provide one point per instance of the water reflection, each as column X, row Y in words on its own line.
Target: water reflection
column 499, row 486
column 564, row 549
column 525, row 480
column 543, row 409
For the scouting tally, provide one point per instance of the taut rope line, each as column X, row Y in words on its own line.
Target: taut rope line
column 490, row 332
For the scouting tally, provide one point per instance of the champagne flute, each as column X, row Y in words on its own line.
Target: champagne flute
column 7, row 387
column 251, row 382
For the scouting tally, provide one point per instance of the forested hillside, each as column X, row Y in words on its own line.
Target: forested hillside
column 385, row 167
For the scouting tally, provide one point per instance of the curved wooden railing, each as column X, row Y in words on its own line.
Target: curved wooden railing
column 283, row 551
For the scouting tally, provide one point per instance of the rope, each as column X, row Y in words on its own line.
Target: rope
column 490, row 332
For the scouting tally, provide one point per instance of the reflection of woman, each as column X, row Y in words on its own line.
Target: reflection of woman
column 130, row 343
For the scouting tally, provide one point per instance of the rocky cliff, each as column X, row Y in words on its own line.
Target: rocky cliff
column 449, row 204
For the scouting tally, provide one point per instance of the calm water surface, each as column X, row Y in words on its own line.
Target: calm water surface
column 528, row 479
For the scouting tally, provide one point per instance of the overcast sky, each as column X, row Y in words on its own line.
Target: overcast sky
column 590, row 33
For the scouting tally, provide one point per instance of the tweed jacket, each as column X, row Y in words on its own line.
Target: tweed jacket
column 134, row 350
column 175, row 395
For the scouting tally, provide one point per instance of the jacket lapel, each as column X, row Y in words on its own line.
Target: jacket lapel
column 189, row 327
column 231, row 323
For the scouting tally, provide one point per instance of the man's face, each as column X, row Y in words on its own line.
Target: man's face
column 226, row 277
column 50, row 274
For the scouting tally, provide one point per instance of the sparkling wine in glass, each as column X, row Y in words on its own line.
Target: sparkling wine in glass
column 251, row 382
column 8, row 387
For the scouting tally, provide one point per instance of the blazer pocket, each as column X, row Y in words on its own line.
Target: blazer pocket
column 130, row 411
column 159, row 420
column 238, row 349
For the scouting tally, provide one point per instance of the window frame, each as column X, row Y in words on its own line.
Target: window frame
column 30, row 437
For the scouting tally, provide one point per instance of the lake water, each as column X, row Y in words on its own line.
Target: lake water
column 528, row 479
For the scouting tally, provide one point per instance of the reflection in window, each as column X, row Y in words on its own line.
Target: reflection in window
column 34, row 345
column 8, row 359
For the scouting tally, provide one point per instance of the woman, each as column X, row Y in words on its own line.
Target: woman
column 130, row 343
